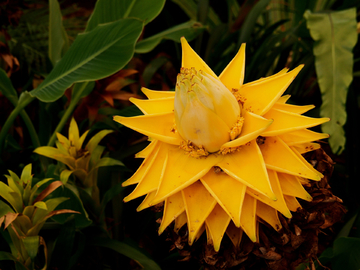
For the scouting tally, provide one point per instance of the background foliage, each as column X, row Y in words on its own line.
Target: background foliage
column 84, row 60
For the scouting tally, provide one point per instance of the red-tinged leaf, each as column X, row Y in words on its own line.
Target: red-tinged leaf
column 58, row 212
column 50, row 188
column 9, row 218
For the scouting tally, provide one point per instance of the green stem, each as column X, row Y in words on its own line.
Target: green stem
column 32, row 132
column 23, row 102
column 74, row 101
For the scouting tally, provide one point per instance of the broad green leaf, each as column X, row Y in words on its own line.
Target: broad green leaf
column 106, row 161
column 58, row 39
column 54, row 202
column 95, row 140
column 112, row 10
column 31, row 244
column 6, row 256
column 73, row 203
column 41, row 205
column 346, row 253
column 127, row 250
column 7, row 89
column 335, row 36
column 5, row 208
column 95, row 156
column 189, row 30
column 64, row 176
column 11, row 196
column 93, row 55
column 14, row 185
column 26, row 174
column 55, row 153
column 346, row 229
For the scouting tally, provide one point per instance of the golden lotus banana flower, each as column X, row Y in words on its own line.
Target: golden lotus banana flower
column 224, row 155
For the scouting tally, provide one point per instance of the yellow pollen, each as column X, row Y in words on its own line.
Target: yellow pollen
column 229, row 150
column 241, row 99
column 236, row 129
column 193, row 150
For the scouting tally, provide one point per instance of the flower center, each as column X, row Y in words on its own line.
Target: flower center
column 207, row 114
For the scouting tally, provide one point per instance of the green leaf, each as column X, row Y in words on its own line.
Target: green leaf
column 191, row 9
column 64, row 176
column 7, row 89
column 64, row 246
column 11, row 196
column 346, row 229
column 41, row 205
column 346, row 253
column 26, row 174
column 93, row 55
column 106, row 161
column 112, row 10
column 6, row 256
column 189, row 30
column 51, row 204
column 73, row 203
column 152, row 68
column 58, row 39
column 36, row 187
column 335, row 36
column 129, row 251
column 14, row 185
column 109, row 195
column 5, row 208
column 85, row 88
column 31, row 244
column 250, row 21
column 95, row 140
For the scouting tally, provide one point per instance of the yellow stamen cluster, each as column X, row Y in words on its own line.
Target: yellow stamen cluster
column 236, row 130
column 192, row 150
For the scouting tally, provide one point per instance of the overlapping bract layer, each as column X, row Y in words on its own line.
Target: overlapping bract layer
column 251, row 178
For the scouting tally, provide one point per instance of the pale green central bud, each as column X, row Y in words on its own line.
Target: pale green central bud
column 205, row 110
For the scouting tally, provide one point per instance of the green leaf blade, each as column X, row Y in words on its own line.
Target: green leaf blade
column 189, row 30
column 93, row 55
column 58, row 39
column 127, row 250
column 335, row 36
column 112, row 10
column 7, row 89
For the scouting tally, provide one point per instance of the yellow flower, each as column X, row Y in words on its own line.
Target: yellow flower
column 83, row 162
column 220, row 167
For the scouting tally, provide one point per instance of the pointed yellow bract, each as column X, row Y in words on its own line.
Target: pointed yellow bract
column 224, row 155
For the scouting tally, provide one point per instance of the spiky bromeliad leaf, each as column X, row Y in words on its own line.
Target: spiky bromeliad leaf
column 112, row 10
column 93, row 55
column 335, row 36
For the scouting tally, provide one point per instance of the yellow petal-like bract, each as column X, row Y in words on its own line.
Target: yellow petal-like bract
column 224, row 155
